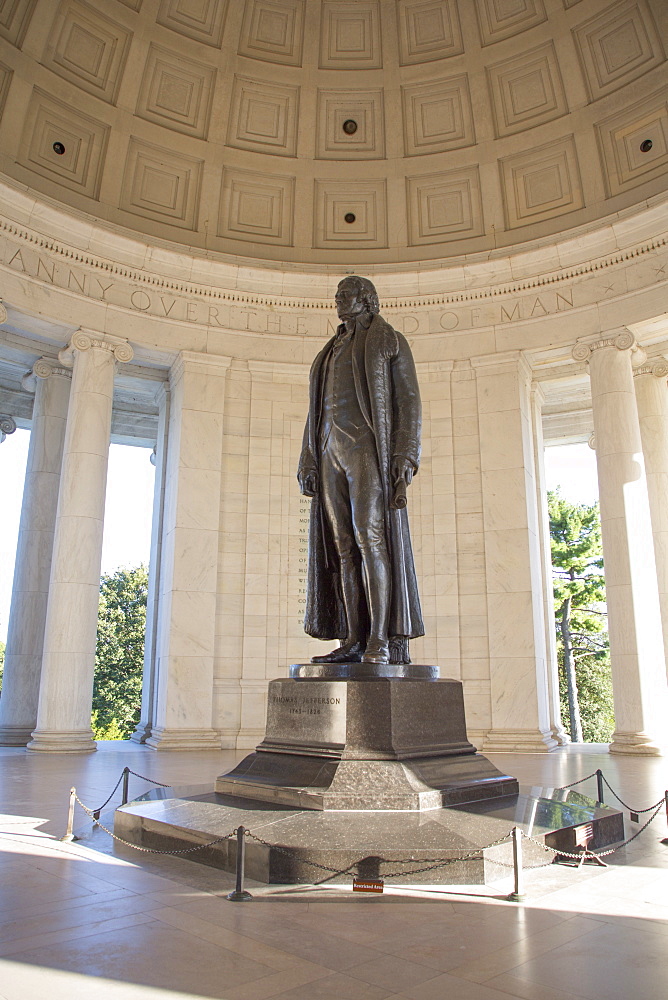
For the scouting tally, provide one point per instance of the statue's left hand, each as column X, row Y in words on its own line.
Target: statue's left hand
column 308, row 482
column 402, row 468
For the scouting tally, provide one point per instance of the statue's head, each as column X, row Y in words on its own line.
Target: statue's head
column 364, row 290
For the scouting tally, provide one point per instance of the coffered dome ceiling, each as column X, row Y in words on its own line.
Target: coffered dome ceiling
column 337, row 131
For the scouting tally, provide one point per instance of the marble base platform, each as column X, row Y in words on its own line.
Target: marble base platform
column 370, row 844
column 373, row 743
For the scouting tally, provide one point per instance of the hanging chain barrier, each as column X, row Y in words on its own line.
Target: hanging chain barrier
column 151, row 850
column 515, row 835
column 598, row 774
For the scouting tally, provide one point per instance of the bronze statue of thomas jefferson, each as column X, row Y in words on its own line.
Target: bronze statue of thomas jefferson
column 361, row 449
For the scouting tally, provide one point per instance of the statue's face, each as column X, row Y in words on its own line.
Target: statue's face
column 349, row 301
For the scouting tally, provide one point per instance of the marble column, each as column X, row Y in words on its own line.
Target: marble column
column 512, row 558
column 66, row 690
column 149, row 680
column 186, row 627
column 552, row 664
column 25, row 637
column 634, row 617
column 652, row 399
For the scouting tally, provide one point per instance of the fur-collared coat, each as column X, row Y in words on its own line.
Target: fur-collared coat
column 388, row 394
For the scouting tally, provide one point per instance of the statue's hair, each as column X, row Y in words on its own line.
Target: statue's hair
column 367, row 290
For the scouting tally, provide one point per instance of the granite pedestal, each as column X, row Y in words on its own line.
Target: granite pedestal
column 341, row 737
column 287, row 846
column 352, row 778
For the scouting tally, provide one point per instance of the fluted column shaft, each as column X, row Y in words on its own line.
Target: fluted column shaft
column 634, row 618
column 150, row 675
column 652, row 399
column 63, row 718
column 543, row 523
column 25, row 636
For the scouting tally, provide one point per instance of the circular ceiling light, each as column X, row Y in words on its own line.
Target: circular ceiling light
column 349, row 217
column 646, row 145
column 350, row 126
column 58, row 148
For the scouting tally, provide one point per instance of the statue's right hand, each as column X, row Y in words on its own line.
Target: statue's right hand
column 308, row 483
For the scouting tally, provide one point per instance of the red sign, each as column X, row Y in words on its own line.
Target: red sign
column 367, row 884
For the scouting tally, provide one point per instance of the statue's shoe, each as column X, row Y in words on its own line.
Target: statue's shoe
column 350, row 652
column 377, row 651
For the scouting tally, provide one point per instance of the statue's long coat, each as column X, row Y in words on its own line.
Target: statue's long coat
column 389, row 398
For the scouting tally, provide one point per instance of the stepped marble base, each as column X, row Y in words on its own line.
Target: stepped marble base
column 369, row 844
column 15, row 736
column 365, row 743
column 62, row 741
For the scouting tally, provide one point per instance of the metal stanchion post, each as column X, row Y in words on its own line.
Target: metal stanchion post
column 518, row 895
column 126, row 781
column 69, row 834
column 665, row 839
column 599, row 785
column 240, row 895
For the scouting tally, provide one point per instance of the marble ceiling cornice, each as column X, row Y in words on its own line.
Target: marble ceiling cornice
column 555, row 277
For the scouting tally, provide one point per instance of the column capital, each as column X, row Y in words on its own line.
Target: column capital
column 196, row 362
column 502, row 362
column 84, row 340
column 7, row 426
column 621, row 338
column 42, row 369
column 658, row 367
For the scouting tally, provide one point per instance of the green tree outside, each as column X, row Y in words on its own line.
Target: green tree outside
column 119, row 656
column 585, row 684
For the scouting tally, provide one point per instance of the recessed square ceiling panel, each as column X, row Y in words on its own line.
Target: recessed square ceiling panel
column 350, row 35
column 273, row 31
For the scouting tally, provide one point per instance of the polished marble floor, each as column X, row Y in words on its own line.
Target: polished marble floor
column 94, row 919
